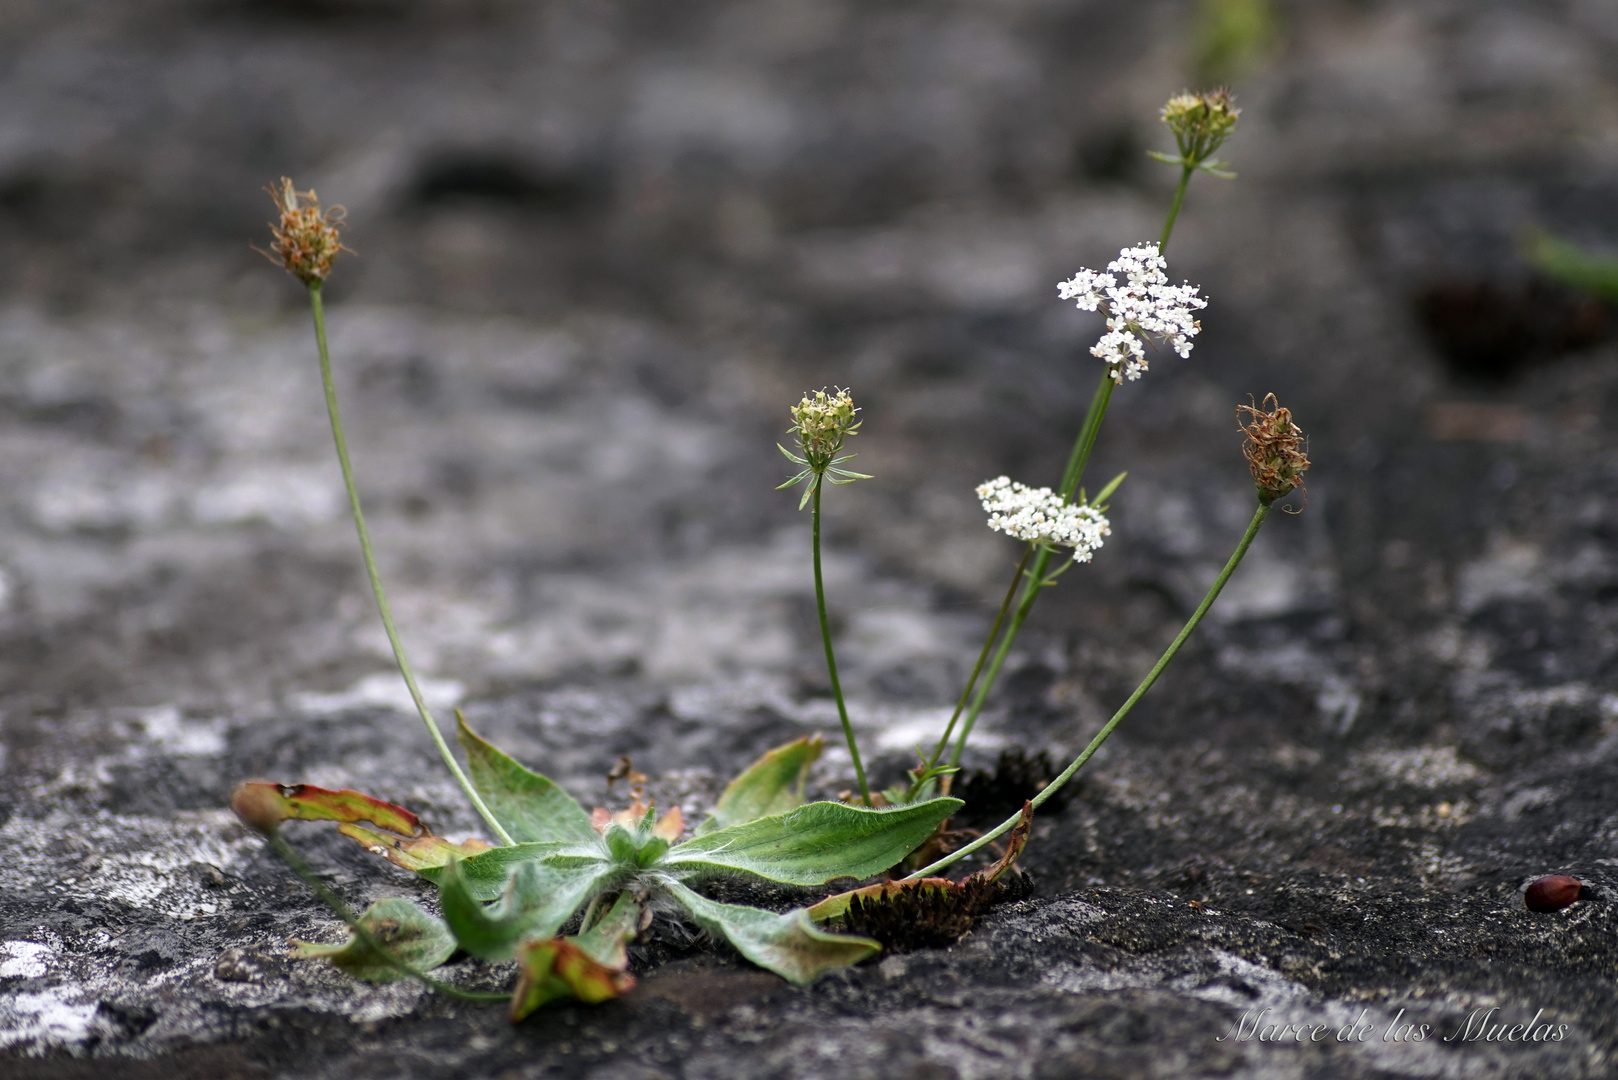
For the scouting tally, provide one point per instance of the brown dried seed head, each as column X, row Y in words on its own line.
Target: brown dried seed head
column 1552, row 893
column 306, row 239
column 1274, row 449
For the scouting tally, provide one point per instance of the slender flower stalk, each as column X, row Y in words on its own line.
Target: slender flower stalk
column 376, row 577
column 831, row 660
column 1174, row 207
column 929, row 764
column 1200, row 123
column 821, row 422
column 1163, row 662
column 306, row 242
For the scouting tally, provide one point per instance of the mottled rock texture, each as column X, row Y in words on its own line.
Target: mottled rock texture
column 600, row 246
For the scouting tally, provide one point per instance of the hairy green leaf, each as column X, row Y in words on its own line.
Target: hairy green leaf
column 485, row 875
column 532, row 808
column 788, row 943
column 771, row 785
column 537, row 901
column 812, row 844
column 400, row 926
column 605, row 941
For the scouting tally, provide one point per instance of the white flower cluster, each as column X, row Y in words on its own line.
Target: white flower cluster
column 1145, row 304
column 1040, row 515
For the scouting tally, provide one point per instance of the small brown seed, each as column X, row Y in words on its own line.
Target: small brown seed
column 1552, row 893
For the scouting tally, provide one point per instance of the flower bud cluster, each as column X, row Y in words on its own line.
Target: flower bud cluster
column 821, row 421
column 1146, row 304
column 306, row 238
column 1041, row 516
column 1200, row 122
column 1274, row 449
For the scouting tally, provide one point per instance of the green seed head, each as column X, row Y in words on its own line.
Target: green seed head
column 1200, row 122
column 821, row 421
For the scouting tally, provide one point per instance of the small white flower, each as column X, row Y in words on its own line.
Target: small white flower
column 1042, row 516
column 1146, row 305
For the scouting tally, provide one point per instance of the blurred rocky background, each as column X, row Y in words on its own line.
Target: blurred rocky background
column 599, row 247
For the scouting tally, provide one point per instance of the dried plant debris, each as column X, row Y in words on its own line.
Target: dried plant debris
column 992, row 795
column 925, row 912
column 921, row 918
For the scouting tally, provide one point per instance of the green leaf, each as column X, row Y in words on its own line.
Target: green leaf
column 1167, row 159
column 588, row 966
column 1106, row 492
column 771, row 785
column 537, row 901
column 485, row 875
column 408, row 933
column 787, row 943
column 532, row 808
column 801, row 476
column 812, row 844
column 794, row 458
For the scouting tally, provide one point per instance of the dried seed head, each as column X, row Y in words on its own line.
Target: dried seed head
column 306, row 239
column 921, row 918
column 1200, row 122
column 821, row 421
column 1274, row 449
column 1552, row 893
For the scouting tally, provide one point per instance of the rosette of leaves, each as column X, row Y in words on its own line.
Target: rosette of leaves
column 512, row 902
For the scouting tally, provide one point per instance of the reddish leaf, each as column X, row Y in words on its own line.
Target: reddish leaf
column 404, row 840
column 264, row 805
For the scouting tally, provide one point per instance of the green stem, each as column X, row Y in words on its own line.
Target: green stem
column 1087, row 435
column 324, row 894
column 1005, row 605
column 376, row 577
column 1031, row 589
column 1140, row 691
column 1174, row 208
column 831, row 658
column 1036, row 578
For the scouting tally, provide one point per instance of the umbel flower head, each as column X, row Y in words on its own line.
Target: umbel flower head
column 1200, row 122
column 821, row 421
column 1144, row 305
column 1041, row 516
column 306, row 239
column 1275, row 449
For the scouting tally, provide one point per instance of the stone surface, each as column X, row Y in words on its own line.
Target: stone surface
column 601, row 246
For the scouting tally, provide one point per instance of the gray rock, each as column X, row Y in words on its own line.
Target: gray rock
column 600, row 249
